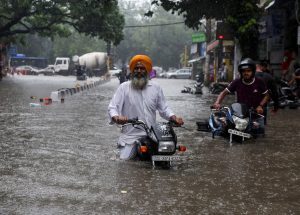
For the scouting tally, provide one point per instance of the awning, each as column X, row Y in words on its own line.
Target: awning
column 270, row 5
column 196, row 59
column 280, row 3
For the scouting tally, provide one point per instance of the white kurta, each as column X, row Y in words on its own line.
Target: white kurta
column 143, row 104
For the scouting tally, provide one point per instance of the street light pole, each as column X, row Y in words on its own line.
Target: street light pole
column 185, row 56
column 208, row 39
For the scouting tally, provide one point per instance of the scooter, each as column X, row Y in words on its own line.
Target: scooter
column 236, row 122
column 196, row 89
column 287, row 98
column 160, row 143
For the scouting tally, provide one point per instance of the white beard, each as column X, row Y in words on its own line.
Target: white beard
column 139, row 83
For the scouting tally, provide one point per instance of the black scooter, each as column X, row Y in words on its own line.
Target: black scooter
column 160, row 143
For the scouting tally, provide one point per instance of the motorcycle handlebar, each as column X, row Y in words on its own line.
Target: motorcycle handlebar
column 133, row 120
column 137, row 121
column 173, row 123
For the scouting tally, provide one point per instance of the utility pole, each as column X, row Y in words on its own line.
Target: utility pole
column 185, row 56
column 109, row 56
column 208, row 39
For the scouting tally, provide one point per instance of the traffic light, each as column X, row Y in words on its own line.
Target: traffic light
column 220, row 37
column 223, row 31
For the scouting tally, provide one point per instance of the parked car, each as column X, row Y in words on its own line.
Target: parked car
column 163, row 74
column 185, row 73
column 27, row 70
column 49, row 70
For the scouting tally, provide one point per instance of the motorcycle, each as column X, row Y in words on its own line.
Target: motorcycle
column 217, row 88
column 196, row 89
column 287, row 96
column 160, row 143
column 236, row 122
column 80, row 73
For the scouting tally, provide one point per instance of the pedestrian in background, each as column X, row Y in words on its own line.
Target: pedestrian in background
column 122, row 74
column 264, row 64
column 296, row 80
column 271, row 86
column 288, row 74
column 224, row 72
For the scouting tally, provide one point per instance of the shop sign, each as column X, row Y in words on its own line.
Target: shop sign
column 198, row 38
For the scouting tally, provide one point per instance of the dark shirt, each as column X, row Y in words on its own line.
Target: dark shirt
column 250, row 94
column 271, row 85
column 297, row 73
column 122, row 76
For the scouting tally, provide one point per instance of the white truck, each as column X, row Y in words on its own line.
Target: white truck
column 94, row 63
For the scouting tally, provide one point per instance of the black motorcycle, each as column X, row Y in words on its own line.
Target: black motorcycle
column 287, row 96
column 160, row 143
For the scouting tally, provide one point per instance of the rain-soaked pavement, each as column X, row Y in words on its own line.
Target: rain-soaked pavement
column 61, row 158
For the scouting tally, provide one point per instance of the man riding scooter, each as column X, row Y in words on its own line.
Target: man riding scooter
column 249, row 90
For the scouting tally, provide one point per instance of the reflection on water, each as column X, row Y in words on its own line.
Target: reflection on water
column 61, row 159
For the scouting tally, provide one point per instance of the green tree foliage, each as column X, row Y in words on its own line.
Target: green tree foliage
column 144, row 35
column 242, row 15
column 76, row 44
column 96, row 18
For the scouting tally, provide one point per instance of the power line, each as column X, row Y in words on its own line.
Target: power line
column 153, row 25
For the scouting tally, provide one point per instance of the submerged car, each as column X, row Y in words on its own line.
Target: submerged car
column 27, row 70
column 49, row 70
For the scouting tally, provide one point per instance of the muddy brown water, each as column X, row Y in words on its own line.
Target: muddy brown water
column 61, row 158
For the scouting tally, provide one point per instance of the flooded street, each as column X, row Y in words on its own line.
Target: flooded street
column 61, row 158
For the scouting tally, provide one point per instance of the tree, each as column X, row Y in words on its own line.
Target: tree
column 96, row 18
column 163, row 43
column 242, row 15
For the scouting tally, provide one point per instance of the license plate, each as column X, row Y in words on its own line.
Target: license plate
column 239, row 133
column 165, row 158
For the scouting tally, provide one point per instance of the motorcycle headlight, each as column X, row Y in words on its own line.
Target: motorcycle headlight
column 166, row 146
column 240, row 124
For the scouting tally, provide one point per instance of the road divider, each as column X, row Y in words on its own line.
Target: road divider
column 61, row 94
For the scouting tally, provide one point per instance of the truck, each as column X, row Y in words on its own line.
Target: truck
column 93, row 64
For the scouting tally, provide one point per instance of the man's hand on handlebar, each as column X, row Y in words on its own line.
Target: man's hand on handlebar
column 216, row 106
column 259, row 109
column 177, row 120
column 120, row 119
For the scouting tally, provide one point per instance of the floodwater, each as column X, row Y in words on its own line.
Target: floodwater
column 61, row 158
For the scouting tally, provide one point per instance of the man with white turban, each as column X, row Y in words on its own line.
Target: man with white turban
column 141, row 98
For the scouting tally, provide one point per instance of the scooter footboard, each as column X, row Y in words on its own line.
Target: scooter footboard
column 203, row 126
